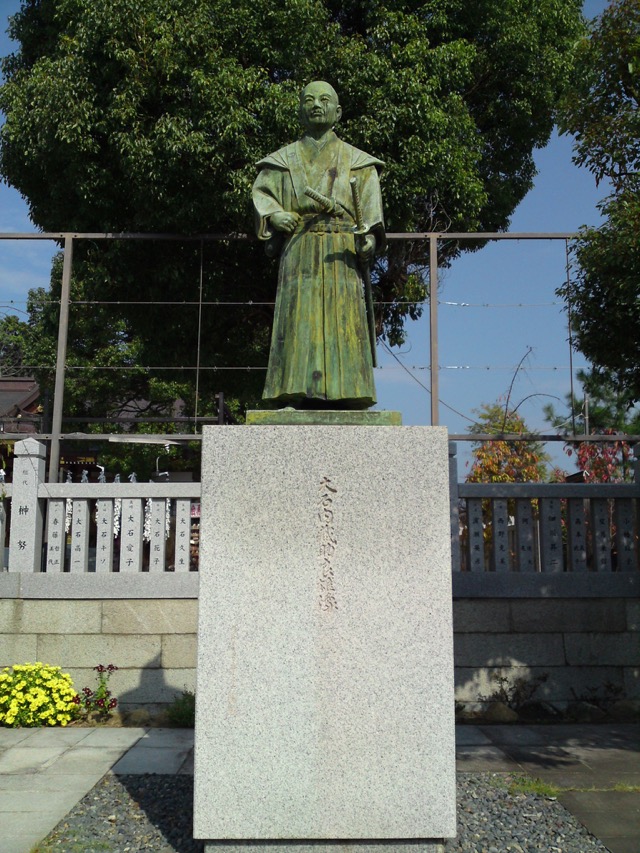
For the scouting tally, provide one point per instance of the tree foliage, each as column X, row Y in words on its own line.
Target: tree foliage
column 601, row 106
column 501, row 460
column 148, row 115
column 599, row 408
column 604, row 462
column 13, row 347
column 601, row 110
column 600, row 411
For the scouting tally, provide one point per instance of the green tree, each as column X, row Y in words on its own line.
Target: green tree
column 600, row 408
column 13, row 346
column 14, row 337
column 501, row 460
column 601, row 111
column 148, row 115
column 108, row 378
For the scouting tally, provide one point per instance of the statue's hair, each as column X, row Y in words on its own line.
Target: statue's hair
column 324, row 83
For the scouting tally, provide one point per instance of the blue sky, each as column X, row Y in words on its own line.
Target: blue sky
column 495, row 305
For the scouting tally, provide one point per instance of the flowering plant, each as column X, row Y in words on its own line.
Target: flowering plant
column 98, row 701
column 34, row 694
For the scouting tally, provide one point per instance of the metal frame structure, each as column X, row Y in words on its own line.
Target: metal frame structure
column 431, row 238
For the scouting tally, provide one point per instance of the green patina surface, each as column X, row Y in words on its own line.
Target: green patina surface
column 328, row 417
column 320, row 346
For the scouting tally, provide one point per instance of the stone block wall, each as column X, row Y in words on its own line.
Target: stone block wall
column 579, row 643
column 152, row 642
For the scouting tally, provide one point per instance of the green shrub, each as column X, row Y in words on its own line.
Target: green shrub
column 182, row 711
column 514, row 693
column 34, row 694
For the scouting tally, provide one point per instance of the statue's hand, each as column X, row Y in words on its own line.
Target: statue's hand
column 366, row 247
column 284, row 221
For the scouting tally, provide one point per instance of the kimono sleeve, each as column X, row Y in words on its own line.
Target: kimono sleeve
column 267, row 199
column 371, row 199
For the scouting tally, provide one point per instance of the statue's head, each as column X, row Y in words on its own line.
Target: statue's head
column 319, row 107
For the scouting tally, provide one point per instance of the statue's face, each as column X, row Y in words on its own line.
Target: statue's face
column 319, row 107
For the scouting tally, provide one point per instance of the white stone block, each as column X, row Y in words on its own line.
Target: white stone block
column 173, row 616
column 26, row 509
column 325, row 660
column 131, row 535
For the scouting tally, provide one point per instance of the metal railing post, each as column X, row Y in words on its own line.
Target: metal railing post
column 433, row 328
column 61, row 359
column 454, row 509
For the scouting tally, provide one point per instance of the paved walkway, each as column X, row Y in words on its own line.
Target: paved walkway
column 45, row 772
column 593, row 758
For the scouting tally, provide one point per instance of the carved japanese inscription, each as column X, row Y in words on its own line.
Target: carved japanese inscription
column 327, row 544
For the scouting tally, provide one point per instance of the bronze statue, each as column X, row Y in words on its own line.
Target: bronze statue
column 318, row 202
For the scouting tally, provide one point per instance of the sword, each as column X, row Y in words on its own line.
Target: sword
column 327, row 204
column 360, row 231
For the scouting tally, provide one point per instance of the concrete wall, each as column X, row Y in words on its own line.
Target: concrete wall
column 580, row 642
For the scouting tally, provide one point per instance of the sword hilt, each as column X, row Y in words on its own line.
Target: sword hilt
column 361, row 226
column 327, row 204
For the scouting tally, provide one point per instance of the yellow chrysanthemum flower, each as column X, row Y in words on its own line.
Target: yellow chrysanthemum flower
column 34, row 694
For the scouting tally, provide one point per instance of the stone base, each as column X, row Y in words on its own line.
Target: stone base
column 421, row 845
column 325, row 707
column 323, row 417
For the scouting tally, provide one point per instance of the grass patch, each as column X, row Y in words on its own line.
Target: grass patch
column 531, row 785
column 525, row 785
column 76, row 847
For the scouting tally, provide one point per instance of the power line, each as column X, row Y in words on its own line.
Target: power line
column 500, row 304
column 428, row 390
column 216, row 302
column 407, row 368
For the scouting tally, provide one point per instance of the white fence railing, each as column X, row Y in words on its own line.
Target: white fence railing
column 95, row 527
column 130, row 528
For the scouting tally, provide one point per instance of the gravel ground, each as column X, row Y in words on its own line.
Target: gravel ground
column 130, row 814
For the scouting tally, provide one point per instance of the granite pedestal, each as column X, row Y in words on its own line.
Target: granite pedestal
column 325, row 707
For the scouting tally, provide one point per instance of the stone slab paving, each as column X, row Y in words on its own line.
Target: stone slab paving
column 12, row 737
column 584, row 757
column 471, row 736
column 158, row 751
column 144, row 760
column 476, row 759
column 612, row 816
column 45, row 772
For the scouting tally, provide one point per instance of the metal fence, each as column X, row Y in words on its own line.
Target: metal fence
column 432, row 242
column 153, row 527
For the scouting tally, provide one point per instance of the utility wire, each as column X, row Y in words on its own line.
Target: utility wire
column 428, row 390
column 500, row 304
column 408, row 368
column 251, row 302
